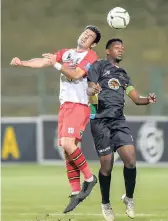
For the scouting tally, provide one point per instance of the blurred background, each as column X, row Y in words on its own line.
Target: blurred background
column 31, row 190
column 30, row 28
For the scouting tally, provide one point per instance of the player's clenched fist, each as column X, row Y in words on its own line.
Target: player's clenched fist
column 152, row 98
column 16, row 62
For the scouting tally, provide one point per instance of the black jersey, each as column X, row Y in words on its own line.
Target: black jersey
column 114, row 81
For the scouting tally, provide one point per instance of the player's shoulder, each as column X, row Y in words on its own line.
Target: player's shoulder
column 92, row 54
column 123, row 73
column 100, row 62
column 96, row 64
column 123, row 70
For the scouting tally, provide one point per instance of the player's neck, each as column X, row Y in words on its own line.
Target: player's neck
column 113, row 62
column 80, row 49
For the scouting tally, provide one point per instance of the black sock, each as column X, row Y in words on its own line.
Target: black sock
column 105, row 182
column 130, row 180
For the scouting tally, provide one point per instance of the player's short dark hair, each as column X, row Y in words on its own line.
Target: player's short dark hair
column 96, row 31
column 109, row 43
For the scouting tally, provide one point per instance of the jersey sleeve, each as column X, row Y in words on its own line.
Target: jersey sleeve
column 129, row 87
column 94, row 73
column 59, row 55
column 89, row 59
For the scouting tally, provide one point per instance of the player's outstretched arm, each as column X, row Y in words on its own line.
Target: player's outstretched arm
column 33, row 63
column 139, row 100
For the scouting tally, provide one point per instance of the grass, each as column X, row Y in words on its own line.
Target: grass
column 40, row 193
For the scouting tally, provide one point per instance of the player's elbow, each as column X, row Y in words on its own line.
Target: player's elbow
column 136, row 102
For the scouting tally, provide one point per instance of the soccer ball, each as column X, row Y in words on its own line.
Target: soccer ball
column 118, row 18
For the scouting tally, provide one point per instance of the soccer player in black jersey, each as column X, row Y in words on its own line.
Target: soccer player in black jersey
column 109, row 128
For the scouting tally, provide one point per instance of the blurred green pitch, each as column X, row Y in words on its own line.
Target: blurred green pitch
column 40, row 193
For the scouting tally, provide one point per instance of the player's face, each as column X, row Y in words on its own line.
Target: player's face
column 116, row 51
column 86, row 39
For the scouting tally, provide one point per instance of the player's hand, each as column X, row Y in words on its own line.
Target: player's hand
column 50, row 57
column 16, row 62
column 152, row 98
column 96, row 88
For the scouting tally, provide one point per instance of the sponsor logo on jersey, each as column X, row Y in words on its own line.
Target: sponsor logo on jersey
column 106, row 73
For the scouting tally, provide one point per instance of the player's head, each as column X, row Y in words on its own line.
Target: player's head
column 115, row 49
column 90, row 37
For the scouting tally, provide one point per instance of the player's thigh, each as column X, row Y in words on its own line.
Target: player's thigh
column 120, row 134
column 122, row 138
column 60, row 123
column 76, row 117
column 101, row 137
column 123, row 142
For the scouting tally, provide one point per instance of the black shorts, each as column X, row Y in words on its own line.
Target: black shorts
column 110, row 134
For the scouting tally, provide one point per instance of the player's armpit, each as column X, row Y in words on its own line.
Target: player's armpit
column 135, row 97
column 73, row 74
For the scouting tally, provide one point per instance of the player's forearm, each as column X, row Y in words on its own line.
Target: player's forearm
column 73, row 74
column 36, row 63
column 141, row 101
column 70, row 73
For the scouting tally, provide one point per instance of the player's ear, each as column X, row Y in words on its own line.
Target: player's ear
column 107, row 51
column 93, row 45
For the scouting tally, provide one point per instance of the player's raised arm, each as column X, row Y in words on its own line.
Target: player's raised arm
column 32, row 63
column 140, row 100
